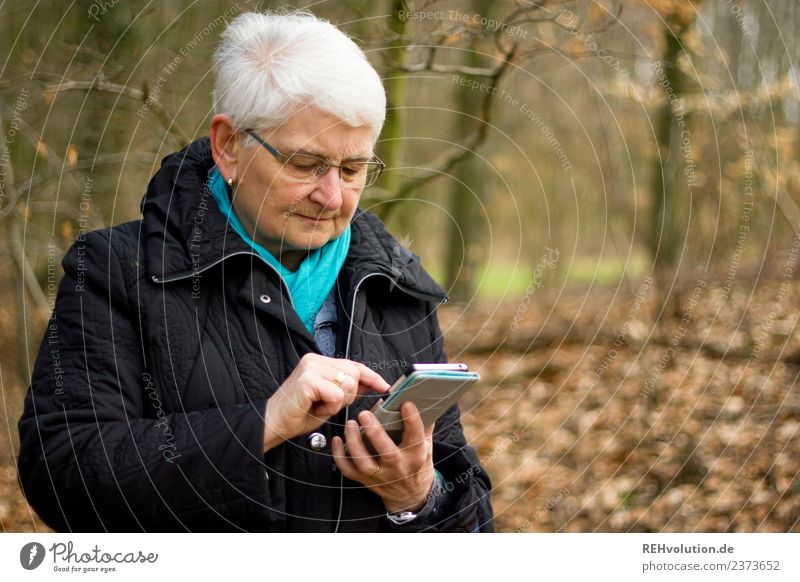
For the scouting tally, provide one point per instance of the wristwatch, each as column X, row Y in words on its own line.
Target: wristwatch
column 401, row 517
column 436, row 492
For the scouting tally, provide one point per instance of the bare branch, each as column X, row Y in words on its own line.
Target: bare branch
column 574, row 29
column 39, row 76
column 142, row 158
column 721, row 103
column 428, row 65
column 23, row 266
column 60, row 207
column 450, row 159
column 55, row 84
column 101, row 84
column 34, row 138
column 510, row 21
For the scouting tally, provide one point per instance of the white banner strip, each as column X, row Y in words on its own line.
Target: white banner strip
column 327, row 557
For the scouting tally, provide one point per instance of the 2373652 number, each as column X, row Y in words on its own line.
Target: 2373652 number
column 755, row 565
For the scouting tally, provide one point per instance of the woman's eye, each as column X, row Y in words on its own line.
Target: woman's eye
column 307, row 167
column 354, row 170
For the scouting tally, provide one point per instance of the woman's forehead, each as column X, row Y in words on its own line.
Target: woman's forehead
column 320, row 133
column 334, row 145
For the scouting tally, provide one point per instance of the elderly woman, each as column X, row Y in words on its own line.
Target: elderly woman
column 205, row 365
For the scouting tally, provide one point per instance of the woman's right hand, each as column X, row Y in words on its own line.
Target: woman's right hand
column 309, row 396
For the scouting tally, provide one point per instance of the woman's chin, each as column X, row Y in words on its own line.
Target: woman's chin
column 307, row 242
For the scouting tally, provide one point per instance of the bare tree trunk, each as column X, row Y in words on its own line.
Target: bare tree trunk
column 465, row 186
column 669, row 219
column 666, row 166
column 394, row 128
column 464, row 236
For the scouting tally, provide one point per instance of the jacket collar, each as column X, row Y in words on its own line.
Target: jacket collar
column 374, row 251
column 185, row 233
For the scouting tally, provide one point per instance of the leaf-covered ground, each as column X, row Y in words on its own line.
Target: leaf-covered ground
column 591, row 418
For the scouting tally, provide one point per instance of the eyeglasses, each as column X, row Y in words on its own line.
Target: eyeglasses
column 309, row 168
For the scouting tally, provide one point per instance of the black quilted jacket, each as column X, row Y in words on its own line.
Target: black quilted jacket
column 145, row 409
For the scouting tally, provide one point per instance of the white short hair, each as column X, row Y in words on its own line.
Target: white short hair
column 269, row 65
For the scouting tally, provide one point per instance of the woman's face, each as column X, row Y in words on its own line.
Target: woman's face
column 290, row 217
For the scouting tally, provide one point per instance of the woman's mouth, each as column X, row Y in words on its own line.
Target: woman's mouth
column 312, row 219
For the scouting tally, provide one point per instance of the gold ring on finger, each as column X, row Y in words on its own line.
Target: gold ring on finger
column 375, row 472
column 340, row 377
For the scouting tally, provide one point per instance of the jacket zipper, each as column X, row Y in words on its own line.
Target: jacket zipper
column 355, row 296
column 347, row 356
column 284, row 287
column 182, row 276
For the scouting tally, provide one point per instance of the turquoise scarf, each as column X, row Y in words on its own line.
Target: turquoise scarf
column 313, row 280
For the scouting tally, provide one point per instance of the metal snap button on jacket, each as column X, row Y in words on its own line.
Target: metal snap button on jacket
column 265, row 298
column 317, row 441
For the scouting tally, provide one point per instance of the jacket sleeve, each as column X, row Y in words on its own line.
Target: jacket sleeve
column 467, row 506
column 98, row 452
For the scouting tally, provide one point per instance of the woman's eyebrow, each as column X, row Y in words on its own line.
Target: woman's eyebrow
column 356, row 158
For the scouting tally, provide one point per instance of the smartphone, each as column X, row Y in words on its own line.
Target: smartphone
column 434, row 368
column 433, row 388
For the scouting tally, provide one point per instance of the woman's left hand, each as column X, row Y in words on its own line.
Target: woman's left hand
column 402, row 474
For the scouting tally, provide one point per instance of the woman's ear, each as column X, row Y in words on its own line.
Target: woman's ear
column 225, row 146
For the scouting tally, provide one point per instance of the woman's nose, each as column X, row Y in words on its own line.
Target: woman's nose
column 328, row 192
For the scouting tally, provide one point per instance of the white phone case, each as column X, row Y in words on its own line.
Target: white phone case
column 433, row 393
